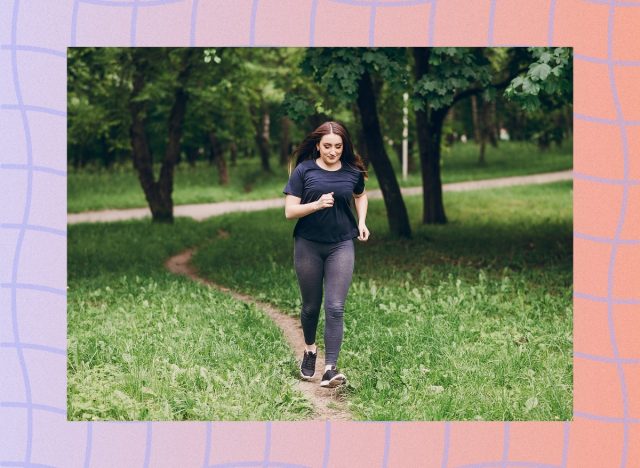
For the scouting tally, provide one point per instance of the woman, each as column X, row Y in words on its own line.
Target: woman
column 327, row 175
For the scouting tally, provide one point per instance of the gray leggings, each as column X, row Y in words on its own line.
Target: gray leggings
column 333, row 263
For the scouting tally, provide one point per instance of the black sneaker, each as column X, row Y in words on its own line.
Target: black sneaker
column 332, row 378
column 308, row 366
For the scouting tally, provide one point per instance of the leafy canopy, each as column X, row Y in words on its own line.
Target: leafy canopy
column 451, row 70
column 549, row 75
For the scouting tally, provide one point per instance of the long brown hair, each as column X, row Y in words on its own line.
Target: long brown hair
column 307, row 148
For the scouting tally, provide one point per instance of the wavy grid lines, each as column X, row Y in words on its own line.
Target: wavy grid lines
column 327, row 444
column 387, row 444
column 492, row 18
column 381, row 3
column 432, row 23
column 252, row 25
column 134, row 22
column 88, row 445
column 371, row 7
column 147, row 447
column 21, row 234
column 505, row 444
column 551, row 23
column 618, row 232
column 194, row 16
column 447, row 444
column 372, row 23
column 312, row 22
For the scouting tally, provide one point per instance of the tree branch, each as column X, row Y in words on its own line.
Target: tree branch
column 475, row 91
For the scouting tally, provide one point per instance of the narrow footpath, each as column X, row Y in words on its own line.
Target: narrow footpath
column 327, row 403
column 202, row 211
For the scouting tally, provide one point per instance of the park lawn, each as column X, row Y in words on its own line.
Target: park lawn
column 468, row 321
column 144, row 344
column 96, row 189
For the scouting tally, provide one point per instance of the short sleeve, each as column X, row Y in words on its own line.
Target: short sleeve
column 295, row 184
column 359, row 188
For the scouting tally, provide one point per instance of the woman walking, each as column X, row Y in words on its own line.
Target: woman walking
column 328, row 174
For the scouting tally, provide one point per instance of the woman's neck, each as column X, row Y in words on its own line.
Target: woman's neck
column 334, row 167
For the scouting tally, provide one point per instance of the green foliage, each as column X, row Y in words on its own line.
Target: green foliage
column 299, row 108
column 97, row 115
column 451, row 70
column 549, row 77
column 339, row 70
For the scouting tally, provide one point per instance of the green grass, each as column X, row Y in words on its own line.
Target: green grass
column 146, row 345
column 119, row 187
column 472, row 320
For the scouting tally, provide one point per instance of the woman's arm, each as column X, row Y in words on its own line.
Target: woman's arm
column 362, row 204
column 294, row 209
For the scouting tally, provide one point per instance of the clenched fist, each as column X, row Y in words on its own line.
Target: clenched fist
column 325, row 201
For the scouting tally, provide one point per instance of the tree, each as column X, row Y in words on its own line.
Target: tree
column 443, row 77
column 346, row 73
column 175, row 66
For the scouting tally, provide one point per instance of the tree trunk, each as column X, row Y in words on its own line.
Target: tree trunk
column 262, row 141
column 158, row 194
column 217, row 155
column 429, row 130
column 359, row 136
column 479, row 127
column 233, row 149
column 192, row 156
column 429, row 139
column 482, row 161
column 477, row 134
column 492, row 129
column 396, row 209
column 285, row 140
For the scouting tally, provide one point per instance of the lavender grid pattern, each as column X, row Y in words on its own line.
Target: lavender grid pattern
column 34, row 430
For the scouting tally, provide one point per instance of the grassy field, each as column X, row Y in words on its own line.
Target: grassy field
column 145, row 344
column 119, row 187
column 472, row 320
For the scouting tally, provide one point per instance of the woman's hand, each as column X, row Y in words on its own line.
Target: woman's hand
column 325, row 201
column 364, row 232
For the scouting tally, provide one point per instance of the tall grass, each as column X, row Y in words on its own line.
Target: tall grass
column 472, row 320
column 144, row 344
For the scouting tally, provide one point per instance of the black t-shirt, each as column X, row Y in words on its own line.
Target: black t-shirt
column 309, row 182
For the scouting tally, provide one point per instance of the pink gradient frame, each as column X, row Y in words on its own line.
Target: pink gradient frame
column 34, row 35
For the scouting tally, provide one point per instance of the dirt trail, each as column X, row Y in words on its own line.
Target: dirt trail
column 327, row 403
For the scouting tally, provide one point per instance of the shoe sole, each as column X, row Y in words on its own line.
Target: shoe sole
column 307, row 377
column 338, row 380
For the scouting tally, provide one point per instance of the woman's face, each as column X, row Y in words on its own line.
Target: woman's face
column 330, row 148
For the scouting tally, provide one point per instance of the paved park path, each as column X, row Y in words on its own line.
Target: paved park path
column 206, row 210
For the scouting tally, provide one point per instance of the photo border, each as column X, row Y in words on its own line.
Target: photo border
column 34, row 37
